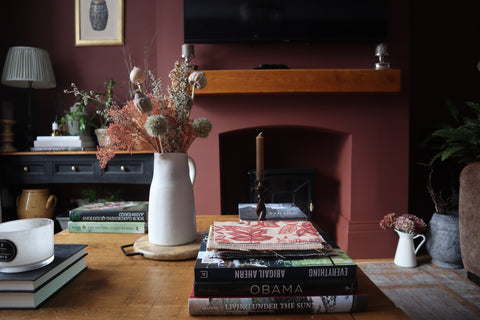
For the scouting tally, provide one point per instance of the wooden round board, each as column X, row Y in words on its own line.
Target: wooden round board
column 156, row 252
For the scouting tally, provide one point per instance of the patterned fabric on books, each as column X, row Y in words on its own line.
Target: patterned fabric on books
column 265, row 235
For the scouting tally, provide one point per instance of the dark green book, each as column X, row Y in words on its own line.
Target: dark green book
column 121, row 211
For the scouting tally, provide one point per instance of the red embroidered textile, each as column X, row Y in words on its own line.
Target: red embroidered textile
column 265, row 235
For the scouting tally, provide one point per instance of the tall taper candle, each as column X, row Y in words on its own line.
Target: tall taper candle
column 259, row 143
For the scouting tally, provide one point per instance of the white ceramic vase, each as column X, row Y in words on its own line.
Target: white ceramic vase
column 406, row 254
column 171, row 208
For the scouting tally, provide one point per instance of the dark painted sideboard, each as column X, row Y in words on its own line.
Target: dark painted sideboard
column 31, row 168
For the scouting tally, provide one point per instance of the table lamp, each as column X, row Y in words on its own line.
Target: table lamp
column 28, row 67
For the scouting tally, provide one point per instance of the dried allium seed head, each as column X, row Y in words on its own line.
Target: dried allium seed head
column 198, row 80
column 202, row 127
column 156, row 125
column 137, row 75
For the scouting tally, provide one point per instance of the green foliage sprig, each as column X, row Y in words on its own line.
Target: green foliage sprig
column 102, row 102
column 459, row 142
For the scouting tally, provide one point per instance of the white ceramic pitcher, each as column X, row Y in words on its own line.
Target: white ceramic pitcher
column 171, row 208
column 406, row 254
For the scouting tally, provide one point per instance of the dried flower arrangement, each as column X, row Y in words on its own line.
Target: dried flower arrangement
column 157, row 121
column 407, row 223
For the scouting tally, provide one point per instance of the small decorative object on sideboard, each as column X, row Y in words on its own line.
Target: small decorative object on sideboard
column 161, row 122
column 7, row 122
column 36, row 203
column 408, row 227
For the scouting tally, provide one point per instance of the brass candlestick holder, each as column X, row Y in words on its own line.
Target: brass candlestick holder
column 261, row 209
column 7, row 135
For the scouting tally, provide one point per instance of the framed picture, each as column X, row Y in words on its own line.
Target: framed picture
column 98, row 22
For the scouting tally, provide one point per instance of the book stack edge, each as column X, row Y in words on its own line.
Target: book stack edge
column 263, row 281
column 64, row 143
column 28, row 290
column 110, row 217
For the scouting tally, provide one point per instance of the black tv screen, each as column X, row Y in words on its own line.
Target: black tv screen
column 218, row 21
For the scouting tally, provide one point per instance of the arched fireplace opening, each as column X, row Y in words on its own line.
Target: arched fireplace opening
column 289, row 149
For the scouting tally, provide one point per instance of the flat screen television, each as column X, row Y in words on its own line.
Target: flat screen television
column 219, row 21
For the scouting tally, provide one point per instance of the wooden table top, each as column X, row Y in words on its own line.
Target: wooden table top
column 119, row 287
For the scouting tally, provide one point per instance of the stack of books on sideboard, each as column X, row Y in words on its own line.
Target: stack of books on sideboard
column 272, row 267
column 110, row 217
column 64, row 143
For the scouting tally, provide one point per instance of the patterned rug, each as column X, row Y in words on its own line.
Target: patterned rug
column 427, row 291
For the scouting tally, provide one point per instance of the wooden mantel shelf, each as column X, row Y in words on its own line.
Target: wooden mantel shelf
column 300, row 81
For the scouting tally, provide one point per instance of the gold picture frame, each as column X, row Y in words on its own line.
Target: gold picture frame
column 99, row 22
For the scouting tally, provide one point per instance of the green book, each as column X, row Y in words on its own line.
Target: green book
column 106, row 227
column 121, row 211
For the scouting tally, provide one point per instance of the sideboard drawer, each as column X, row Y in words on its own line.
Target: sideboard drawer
column 74, row 168
column 124, row 168
column 30, row 169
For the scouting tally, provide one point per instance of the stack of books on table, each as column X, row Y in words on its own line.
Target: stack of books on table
column 272, row 267
column 64, row 143
column 110, row 217
column 29, row 289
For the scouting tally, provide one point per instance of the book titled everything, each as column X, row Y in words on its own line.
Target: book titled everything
column 336, row 265
column 120, row 211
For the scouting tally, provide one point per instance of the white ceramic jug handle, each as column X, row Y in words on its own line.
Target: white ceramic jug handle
column 420, row 244
column 192, row 169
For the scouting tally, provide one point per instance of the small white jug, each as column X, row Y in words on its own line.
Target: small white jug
column 406, row 255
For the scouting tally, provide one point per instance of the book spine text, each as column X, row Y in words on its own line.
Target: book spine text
column 276, row 305
column 106, row 227
column 274, row 288
column 275, row 273
column 134, row 216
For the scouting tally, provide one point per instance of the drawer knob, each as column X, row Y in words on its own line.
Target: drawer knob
column 123, row 168
column 26, row 169
column 74, row 169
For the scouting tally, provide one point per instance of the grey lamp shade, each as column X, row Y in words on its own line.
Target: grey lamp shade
column 28, row 65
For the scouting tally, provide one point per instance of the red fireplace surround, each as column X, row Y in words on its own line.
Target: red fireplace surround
column 358, row 142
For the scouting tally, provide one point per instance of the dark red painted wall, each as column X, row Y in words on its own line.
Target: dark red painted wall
column 51, row 26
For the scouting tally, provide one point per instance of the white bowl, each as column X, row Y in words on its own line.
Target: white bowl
column 26, row 244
